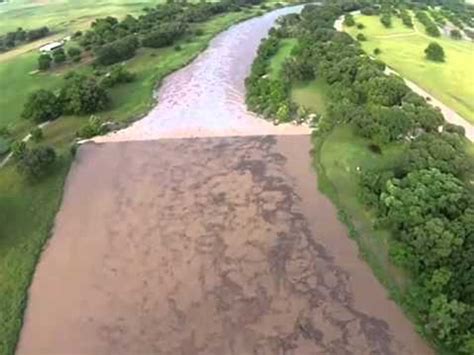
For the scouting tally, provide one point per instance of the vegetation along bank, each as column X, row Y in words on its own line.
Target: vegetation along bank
column 399, row 173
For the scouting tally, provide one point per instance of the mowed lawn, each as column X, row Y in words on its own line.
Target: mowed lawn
column 452, row 82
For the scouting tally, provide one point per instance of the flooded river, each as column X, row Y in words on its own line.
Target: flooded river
column 215, row 245
column 207, row 98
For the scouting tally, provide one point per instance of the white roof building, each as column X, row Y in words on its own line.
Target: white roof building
column 51, row 47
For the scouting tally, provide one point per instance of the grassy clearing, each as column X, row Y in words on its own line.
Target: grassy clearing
column 28, row 210
column 402, row 48
column 340, row 159
column 310, row 95
column 286, row 46
column 64, row 14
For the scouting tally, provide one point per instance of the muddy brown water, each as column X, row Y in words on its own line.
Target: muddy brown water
column 212, row 245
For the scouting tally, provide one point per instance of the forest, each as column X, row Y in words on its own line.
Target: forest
column 426, row 200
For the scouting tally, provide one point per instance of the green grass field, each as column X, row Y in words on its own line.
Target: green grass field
column 402, row 48
column 63, row 14
column 310, row 95
column 276, row 63
column 27, row 211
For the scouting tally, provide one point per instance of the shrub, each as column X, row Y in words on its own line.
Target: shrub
column 377, row 51
column 93, row 128
column 117, row 51
column 360, row 26
column 349, row 20
column 82, row 95
column 199, row 32
column 117, row 75
column 74, row 53
column 386, row 20
column 42, row 105
column 434, row 52
column 455, row 34
column 361, row 37
column 59, row 56
column 36, row 134
column 177, row 48
column 44, row 62
column 18, row 150
column 37, row 162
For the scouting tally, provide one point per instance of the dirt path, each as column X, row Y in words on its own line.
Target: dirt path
column 205, row 246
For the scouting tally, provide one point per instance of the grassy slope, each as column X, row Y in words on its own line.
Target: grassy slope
column 451, row 82
column 28, row 210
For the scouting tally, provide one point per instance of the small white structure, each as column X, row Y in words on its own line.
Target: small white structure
column 51, row 47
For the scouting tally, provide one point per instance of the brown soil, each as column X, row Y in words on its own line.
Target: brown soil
column 205, row 246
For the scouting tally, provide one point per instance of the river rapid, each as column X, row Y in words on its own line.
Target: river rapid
column 207, row 97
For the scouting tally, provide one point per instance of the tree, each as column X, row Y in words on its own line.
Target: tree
column 386, row 20
column 42, row 105
column 434, row 52
column 36, row 134
column 455, row 34
column 361, row 37
column 59, row 56
column 37, row 162
column 349, row 20
column 82, row 95
column 377, row 51
column 117, row 51
column 74, row 53
column 44, row 62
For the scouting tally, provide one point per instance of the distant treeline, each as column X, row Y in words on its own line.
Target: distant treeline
column 113, row 41
column 14, row 38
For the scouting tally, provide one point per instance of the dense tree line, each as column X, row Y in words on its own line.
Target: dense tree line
column 114, row 41
column 406, row 18
column 426, row 199
column 430, row 26
column 14, row 38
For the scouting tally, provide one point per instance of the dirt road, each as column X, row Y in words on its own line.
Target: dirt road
column 205, row 246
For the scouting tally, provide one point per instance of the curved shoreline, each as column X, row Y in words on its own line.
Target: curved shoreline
column 449, row 114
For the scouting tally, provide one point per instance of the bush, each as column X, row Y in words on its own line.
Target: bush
column 117, row 75
column 199, row 32
column 360, row 26
column 117, row 51
column 434, row 52
column 74, row 53
column 386, row 20
column 361, row 37
column 177, row 48
column 93, row 128
column 42, row 105
column 37, row 162
column 59, row 56
column 82, row 95
column 377, row 51
column 44, row 62
column 349, row 20
column 455, row 34
column 36, row 134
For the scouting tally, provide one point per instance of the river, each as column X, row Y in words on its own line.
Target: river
column 200, row 230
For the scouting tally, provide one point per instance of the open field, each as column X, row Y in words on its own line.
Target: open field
column 310, row 95
column 64, row 14
column 451, row 82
